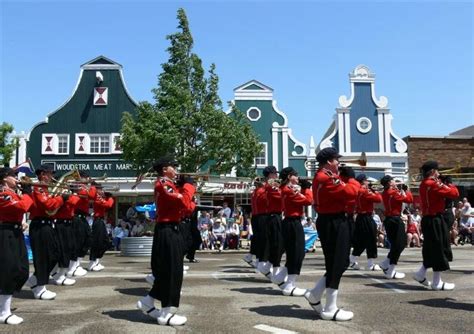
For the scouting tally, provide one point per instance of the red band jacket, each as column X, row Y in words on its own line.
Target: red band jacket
column 13, row 206
column 294, row 200
column 433, row 194
column 330, row 193
column 170, row 200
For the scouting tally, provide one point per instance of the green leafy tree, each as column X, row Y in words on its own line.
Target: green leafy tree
column 187, row 119
column 7, row 144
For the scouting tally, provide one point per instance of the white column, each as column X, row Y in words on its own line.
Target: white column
column 340, row 132
column 275, row 148
column 284, row 139
column 381, row 124
column 388, row 126
column 347, row 131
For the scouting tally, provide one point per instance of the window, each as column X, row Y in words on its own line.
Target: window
column 254, row 114
column 63, row 144
column 364, row 124
column 261, row 158
column 99, row 144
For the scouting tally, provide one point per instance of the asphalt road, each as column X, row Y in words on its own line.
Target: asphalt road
column 222, row 294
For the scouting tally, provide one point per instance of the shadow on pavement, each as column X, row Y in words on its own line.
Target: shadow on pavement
column 259, row 291
column 401, row 286
column 468, row 272
column 130, row 315
column 245, row 279
column 448, row 303
column 133, row 291
column 287, row 311
column 136, row 280
column 24, row 294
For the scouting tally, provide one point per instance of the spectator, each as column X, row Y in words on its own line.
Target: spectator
column 204, row 220
column 416, row 216
column 131, row 212
column 138, row 229
column 120, row 232
column 308, row 223
column 225, row 212
column 413, row 230
column 205, row 236
column 232, row 234
column 217, row 235
column 466, row 229
column 380, row 230
column 149, row 228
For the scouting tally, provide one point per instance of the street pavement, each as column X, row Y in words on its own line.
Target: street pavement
column 222, row 294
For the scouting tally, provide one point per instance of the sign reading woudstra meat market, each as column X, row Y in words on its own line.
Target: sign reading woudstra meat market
column 114, row 168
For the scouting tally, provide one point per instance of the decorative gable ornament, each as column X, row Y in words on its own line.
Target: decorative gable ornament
column 101, row 95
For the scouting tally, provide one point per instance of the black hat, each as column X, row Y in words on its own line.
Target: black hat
column 6, row 171
column 327, row 154
column 428, row 166
column 47, row 168
column 384, row 181
column 347, row 171
column 287, row 172
column 161, row 163
column 361, row 178
column 269, row 170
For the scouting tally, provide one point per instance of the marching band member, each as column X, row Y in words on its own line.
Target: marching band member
column 42, row 235
column 330, row 196
column 80, row 225
column 257, row 194
column 346, row 173
column 295, row 195
column 393, row 199
column 365, row 233
column 65, row 240
column 99, row 242
column 270, row 227
column 167, row 251
column 436, row 244
column 13, row 254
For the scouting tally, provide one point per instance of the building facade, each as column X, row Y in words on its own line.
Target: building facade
column 363, row 123
column 82, row 134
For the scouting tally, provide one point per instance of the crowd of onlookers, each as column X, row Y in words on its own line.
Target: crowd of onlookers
column 227, row 229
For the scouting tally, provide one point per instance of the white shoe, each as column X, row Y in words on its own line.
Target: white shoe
column 11, row 320
column 248, row 259
column 315, row 305
column 77, row 272
column 63, row 280
column 97, row 267
column 267, row 274
column 171, row 319
column 292, row 290
column 423, row 281
column 394, row 275
column 374, row 267
column 150, row 279
column 337, row 315
column 185, row 268
column 444, row 286
column 148, row 309
column 44, row 294
column 354, row 265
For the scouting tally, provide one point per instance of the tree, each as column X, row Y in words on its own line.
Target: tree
column 7, row 144
column 187, row 119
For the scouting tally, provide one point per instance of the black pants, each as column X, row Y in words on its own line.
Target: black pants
column 334, row 233
column 44, row 248
column 271, row 240
column 13, row 258
column 448, row 217
column 82, row 232
column 185, row 230
column 397, row 236
column 195, row 236
column 254, row 242
column 436, row 243
column 167, row 264
column 365, row 236
column 294, row 244
column 65, row 238
column 100, row 240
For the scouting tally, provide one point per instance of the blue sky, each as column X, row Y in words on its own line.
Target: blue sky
column 421, row 52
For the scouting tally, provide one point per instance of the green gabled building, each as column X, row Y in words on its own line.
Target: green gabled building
column 82, row 133
column 280, row 148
